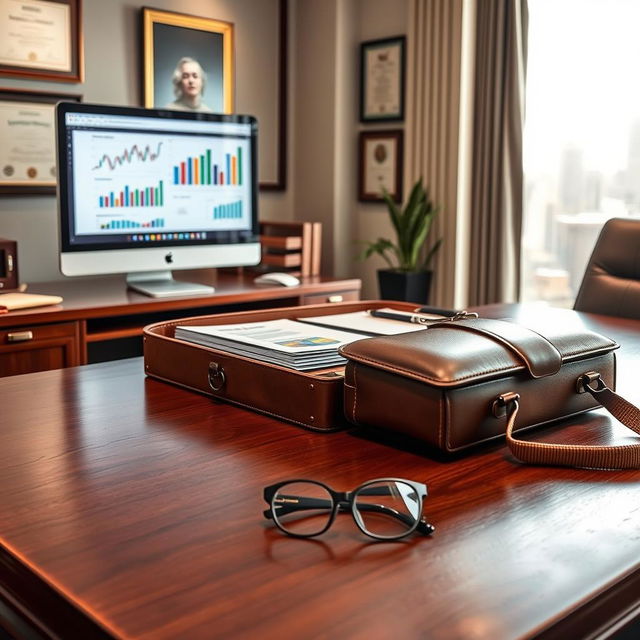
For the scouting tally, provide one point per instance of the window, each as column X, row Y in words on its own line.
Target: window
column 581, row 139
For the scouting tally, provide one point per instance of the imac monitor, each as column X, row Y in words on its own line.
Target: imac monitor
column 148, row 191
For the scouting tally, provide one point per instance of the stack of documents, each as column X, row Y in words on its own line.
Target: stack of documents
column 286, row 343
column 14, row 301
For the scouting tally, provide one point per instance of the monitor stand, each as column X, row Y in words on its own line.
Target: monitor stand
column 160, row 284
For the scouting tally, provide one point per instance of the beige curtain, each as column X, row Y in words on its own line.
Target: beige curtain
column 463, row 135
column 497, row 174
column 433, row 123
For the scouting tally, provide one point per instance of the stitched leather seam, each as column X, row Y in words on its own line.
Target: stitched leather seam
column 444, row 399
column 355, row 394
column 593, row 352
column 386, row 367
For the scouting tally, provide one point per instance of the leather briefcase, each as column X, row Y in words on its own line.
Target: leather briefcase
column 457, row 384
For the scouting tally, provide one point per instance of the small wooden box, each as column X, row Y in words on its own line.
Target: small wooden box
column 8, row 264
column 291, row 246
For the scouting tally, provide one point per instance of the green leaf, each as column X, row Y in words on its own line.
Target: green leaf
column 394, row 212
column 432, row 252
column 412, row 226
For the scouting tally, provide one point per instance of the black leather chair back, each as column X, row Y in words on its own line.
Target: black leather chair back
column 611, row 283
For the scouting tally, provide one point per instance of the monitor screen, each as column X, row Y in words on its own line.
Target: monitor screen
column 148, row 191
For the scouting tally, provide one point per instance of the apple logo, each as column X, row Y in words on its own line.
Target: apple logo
column 168, row 258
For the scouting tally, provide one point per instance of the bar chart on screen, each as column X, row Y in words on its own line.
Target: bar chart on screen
column 131, row 197
column 156, row 223
column 231, row 210
column 206, row 171
column 176, row 183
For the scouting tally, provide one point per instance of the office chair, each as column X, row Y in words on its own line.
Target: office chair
column 611, row 283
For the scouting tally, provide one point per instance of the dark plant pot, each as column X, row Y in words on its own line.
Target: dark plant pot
column 401, row 285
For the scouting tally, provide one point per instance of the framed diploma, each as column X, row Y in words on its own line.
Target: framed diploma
column 41, row 39
column 382, row 65
column 27, row 141
column 380, row 165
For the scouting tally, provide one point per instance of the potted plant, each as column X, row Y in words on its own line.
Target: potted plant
column 408, row 276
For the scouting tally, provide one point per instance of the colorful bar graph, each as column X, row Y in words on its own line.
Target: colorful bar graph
column 129, row 197
column 202, row 170
column 231, row 211
column 156, row 223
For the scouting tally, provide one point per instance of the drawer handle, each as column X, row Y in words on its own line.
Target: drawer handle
column 20, row 336
column 336, row 298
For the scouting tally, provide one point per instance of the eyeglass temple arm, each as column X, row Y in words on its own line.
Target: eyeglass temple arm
column 423, row 525
column 303, row 504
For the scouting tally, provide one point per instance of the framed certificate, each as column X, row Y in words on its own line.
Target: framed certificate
column 382, row 69
column 41, row 39
column 27, row 141
column 380, row 165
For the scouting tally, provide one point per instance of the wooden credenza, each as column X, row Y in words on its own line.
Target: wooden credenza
column 101, row 320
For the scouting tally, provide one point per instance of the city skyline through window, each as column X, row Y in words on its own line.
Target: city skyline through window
column 581, row 138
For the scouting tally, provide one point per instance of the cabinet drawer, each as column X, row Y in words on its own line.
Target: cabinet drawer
column 334, row 296
column 39, row 348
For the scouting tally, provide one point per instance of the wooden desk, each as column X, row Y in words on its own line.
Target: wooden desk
column 100, row 319
column 133, row 509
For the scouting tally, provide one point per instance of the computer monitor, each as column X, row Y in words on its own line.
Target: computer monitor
column 148, row 191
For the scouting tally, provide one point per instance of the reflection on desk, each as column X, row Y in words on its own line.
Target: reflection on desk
column 131, row 508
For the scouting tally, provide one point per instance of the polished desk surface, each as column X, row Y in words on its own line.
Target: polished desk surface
column 109, row 295
column 131, row 508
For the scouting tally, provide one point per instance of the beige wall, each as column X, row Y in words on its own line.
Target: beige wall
column 324, row 38
column 378, row 19
column 328, row 34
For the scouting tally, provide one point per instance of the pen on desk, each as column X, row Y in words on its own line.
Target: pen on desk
column 403, row 317
column 448, row 313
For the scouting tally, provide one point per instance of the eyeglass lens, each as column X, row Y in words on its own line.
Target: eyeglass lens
column 383, row 509
column 302, row 508
column 387, row 509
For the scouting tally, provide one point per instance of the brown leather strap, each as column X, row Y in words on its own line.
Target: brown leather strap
column 539, row 355
column 587, row 456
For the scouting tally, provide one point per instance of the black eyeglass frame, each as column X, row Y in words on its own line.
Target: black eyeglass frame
column 346, row 501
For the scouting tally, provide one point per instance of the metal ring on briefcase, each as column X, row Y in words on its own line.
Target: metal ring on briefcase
column 216, row 376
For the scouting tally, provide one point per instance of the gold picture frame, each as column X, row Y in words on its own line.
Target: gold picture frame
column 169, row 38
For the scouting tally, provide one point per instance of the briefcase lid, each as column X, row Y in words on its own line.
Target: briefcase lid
column 464, row 352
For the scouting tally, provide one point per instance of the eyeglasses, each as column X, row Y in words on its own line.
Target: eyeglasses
column 384, row 508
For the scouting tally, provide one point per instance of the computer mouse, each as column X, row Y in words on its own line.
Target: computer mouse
column 277, row 277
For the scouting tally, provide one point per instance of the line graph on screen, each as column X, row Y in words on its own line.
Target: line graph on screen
column 135, row 152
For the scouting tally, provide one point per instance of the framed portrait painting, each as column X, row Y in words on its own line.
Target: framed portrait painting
column 41, row 39
column 380, row 165
column 188, row 62
column 28, row 141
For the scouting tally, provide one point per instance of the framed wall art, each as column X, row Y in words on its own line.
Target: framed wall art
column 27, row 141
column 382, row 71
column 264, row 91
column 188, row 62
column 41, row 39
column 380, row 165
